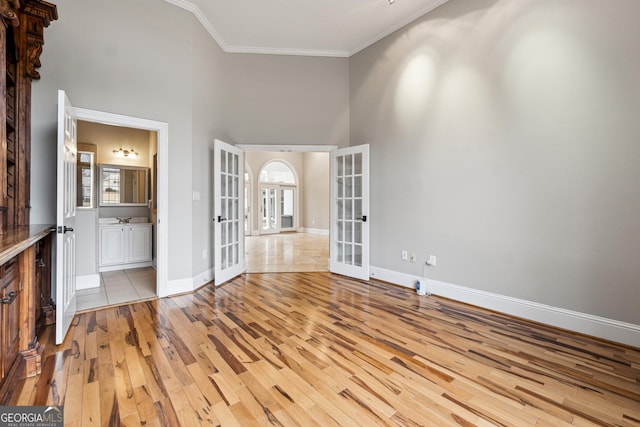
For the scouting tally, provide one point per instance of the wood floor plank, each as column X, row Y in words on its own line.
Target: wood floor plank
column 320, row 349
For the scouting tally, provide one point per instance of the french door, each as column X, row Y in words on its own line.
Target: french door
column 349, row 234
column 228, row 211
column 278, row 208
column 66, row 216
column 269, row 209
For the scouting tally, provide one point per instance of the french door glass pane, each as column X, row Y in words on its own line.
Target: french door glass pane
column 357, row 160
column 348, row 253
column 348, row 165
column 357, row 232
column 223, row 186
column 357, row 208
column 357, row 255
column 357, row 186
column 223, row 253
column 272, row 208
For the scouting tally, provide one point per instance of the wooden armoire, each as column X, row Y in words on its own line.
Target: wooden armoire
column 25, row 249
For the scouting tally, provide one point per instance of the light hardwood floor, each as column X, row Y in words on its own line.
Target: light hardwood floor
column 287, row 252
column 313, row 349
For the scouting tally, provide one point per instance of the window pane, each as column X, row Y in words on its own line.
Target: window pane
column 348, row 254
column 223, row 161
column 348, row 165
column 357, row 255
column 357, row 186
column 357, row 160
column 357, row 232
column 348, row 187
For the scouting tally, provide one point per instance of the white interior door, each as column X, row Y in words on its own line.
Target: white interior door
column 349, row 250
column 229, row 211
column 269, row 209
column 66, row 215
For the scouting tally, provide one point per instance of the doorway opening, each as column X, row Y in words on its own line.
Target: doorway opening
column 144, row 217
column 287, row 209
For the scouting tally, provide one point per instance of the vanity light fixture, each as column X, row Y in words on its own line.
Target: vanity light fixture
column 126, row 153
column 392, row 1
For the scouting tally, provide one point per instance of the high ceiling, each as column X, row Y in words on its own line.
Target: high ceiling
column 303, row 27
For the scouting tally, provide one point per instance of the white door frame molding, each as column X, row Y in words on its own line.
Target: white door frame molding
column 162, row 129
column 288, row 148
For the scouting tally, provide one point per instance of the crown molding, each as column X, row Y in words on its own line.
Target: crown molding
column 188, row 6
column 285, row 51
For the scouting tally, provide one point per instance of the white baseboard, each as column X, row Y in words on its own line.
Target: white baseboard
column 202, row 278
column 125, row 266
column 601, row 327
column 180, row 286
column 87, row 282
column 320, row 231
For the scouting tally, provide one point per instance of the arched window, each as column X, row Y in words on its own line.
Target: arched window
column 277, row 172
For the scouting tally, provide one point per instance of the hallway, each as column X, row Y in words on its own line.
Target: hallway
column 287, row 252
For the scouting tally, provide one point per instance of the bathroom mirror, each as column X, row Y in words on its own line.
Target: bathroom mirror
column 123, row 185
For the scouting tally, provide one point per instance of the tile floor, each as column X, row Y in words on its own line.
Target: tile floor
column 287, row 252
column 117, row 287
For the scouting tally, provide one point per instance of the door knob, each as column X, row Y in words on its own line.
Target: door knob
column 220, row 219
column 362, row 218
column 64, row 229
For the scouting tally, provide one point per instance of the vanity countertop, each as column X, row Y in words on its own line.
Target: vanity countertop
column 131, row 220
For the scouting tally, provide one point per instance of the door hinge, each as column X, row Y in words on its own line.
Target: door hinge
column 20, row 285
column 19, row 333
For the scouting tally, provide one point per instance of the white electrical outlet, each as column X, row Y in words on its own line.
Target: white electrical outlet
column 412, row 258
column 405, row 255
column 431, row 260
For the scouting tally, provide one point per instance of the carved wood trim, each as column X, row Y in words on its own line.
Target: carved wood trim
column 8, row 11
column 38, row 16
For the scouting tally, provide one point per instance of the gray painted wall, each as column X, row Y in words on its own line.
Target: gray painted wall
column 505, row 140
column 153, row 60
column 273, row 99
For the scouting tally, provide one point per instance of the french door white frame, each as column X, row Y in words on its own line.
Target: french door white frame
column 265, row 204
column 278, row 207
column 66, row 188
column 228, row 208
column 162, row 129
column 349, row 233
